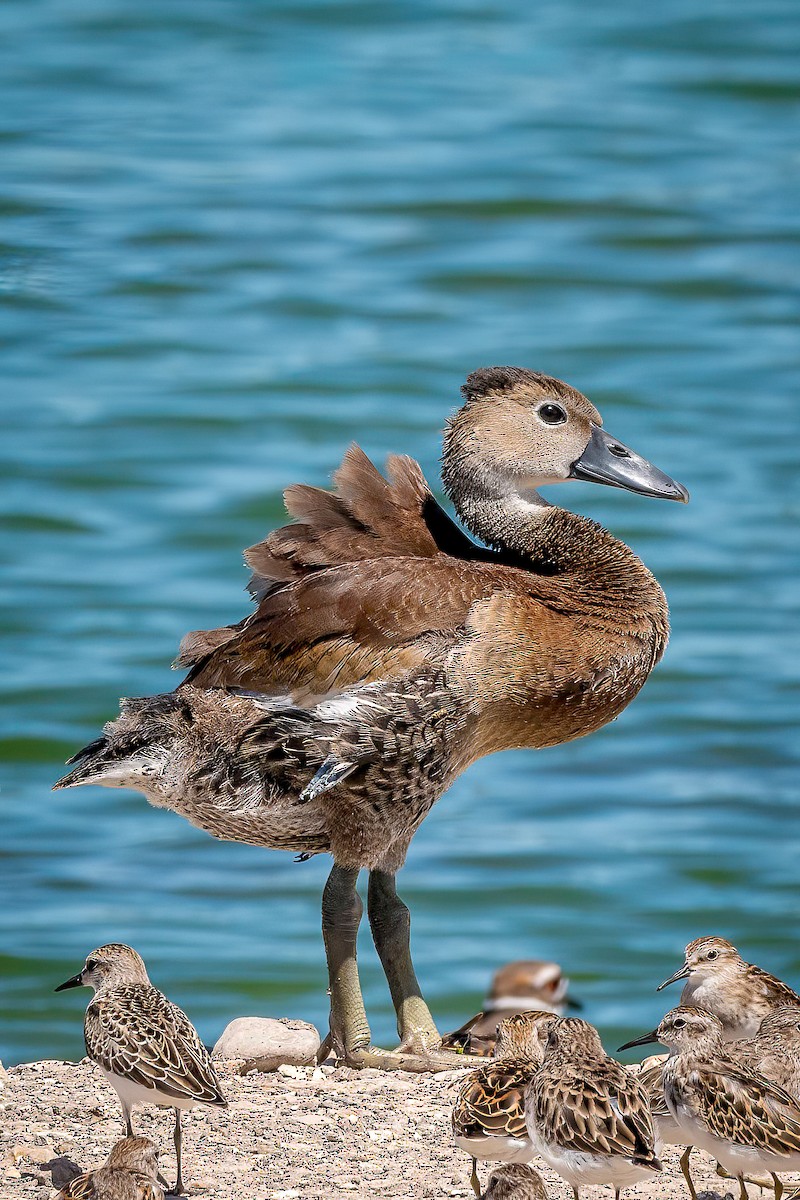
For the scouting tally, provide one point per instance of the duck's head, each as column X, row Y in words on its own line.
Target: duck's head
column 683, row 1028
column 519, row 430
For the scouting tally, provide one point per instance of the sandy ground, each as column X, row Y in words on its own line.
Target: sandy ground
column 296, row 1133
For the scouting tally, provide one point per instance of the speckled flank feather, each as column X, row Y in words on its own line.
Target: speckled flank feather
column 129, row 1173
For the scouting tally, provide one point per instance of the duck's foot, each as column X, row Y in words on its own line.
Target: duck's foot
column 419, row 1062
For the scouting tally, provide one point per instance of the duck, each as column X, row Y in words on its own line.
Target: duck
column 388, row 650
column 516, row 987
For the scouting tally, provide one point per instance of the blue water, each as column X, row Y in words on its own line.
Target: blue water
column 237, row 236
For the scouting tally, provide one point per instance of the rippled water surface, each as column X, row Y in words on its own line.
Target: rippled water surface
column 237, row 236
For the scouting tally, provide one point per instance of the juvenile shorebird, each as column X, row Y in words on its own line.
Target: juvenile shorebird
column 775, row 1050
column 129, row 1173
column 743, row 1119
column 390, row 652
column 517, row 987
column 145, row 1045
column 514, row 1181
column 737, row 992
column 587, row 1116
column 489, row 1112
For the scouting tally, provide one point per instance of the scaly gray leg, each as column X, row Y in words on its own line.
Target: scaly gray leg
column 341, row 914
column 390, row 922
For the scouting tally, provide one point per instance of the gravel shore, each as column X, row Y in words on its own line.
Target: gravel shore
column 294, row 1134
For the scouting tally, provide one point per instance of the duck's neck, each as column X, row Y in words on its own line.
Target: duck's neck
column 599, row 575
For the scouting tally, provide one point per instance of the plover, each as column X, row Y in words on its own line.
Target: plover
column 129, row 1173
column 519, row 986
column 145, row 1045
column 391, row 651
column 514, row 1181
column 587, row 1116
column 740, row 1117
column 720, row 981
column 489, row 1112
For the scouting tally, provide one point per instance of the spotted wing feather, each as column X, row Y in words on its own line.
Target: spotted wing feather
column 94, row 1185
column 137, row 1033
column 606, row 1114
column 491, row 1101
column 741, row 1106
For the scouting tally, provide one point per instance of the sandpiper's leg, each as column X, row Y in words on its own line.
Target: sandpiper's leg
column 126, row 1115
column 777, row 1185
column 476, row 1183
column 178, row 1145
column 742, row 1189
column 687, row 1175
column 341, row 914
column 390, row 922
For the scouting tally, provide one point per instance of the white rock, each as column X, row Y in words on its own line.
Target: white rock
column 263, row 1043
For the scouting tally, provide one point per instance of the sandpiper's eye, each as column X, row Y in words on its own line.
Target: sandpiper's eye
column 679, row 1023
column 91, row 963
column 712, row 954
column 551, row 414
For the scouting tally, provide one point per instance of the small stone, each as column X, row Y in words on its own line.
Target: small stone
column 266, row 1044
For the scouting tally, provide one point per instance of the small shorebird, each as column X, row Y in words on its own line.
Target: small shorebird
column 740, row 1117
column 517, row 987
column 737, row 992
column 775, row 1050
column 774, row 1053
column 587, row 1116
column 489, row 1112
column 145, row 1045
column 389, row 651
column 514, row 1181
column 129, row 1173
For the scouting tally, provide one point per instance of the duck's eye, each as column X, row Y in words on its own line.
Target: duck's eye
column 551, row 414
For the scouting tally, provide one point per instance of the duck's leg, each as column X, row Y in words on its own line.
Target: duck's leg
column 390, row 922
column 341, row 915
column 420, row 1042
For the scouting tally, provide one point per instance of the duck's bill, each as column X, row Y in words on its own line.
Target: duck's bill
column 645, row 1040
column 682, row 973
column 73, row 981
column 605, row 460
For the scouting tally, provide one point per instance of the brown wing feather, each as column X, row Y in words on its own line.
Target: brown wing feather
column 131, row 1185
column 606, row 1115
column 369, row 524
column 492, row 1101
column 743, row 1107
column 135, row 1032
